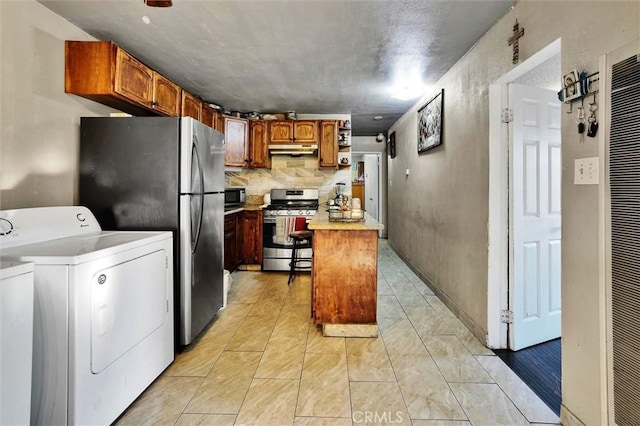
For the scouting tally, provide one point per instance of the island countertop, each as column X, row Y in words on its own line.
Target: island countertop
column 321, row 222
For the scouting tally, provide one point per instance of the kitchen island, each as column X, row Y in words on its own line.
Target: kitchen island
column 344, row 276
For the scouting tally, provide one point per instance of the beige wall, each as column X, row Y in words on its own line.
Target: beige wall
column 39, row 127
column 440, row 214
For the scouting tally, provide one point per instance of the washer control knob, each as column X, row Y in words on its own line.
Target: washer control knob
column 81, row 217
column 5, row 227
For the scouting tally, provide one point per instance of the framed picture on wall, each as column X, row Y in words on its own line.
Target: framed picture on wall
column 572, row 85
column 430, row 123
column 391, row 145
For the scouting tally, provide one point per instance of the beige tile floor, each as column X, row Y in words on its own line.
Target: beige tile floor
column 262, row 361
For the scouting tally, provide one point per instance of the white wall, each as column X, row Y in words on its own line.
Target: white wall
column 39, row 127
column 439, row 220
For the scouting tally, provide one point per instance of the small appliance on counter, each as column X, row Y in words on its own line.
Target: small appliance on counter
column 234, row 197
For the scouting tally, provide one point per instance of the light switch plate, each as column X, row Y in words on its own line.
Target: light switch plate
column 586, row 171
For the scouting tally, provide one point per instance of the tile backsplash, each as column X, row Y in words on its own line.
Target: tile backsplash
column 290, row 172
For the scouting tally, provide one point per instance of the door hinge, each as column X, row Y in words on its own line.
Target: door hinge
column 167, row 306
column 506, row 316
column 507, row 115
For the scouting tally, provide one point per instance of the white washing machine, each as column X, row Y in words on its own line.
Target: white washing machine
column 103, row 312
column 16, row 341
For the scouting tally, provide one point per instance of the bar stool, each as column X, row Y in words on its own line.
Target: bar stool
column 297, row 263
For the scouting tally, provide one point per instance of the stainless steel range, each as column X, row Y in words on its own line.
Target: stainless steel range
column 289, row 210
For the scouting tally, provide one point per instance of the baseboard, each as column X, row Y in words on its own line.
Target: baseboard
column 567, row 418
column 250, row 267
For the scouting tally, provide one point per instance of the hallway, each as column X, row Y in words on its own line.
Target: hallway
column 263, row 361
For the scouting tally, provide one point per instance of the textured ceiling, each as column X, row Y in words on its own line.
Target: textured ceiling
column 332, row 56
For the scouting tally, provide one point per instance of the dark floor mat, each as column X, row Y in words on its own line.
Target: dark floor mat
column 540, row 368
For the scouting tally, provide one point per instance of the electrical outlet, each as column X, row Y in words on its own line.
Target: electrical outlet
column 586, row 171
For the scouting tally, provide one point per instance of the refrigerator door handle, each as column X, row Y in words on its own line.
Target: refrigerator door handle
column 194, row 148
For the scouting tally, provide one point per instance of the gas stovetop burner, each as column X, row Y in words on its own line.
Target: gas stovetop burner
column 302, row 202
column 291, row 206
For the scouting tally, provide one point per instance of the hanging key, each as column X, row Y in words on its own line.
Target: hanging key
column 581, row 124
column 592, row 128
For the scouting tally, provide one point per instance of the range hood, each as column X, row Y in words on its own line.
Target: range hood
column 293, row 149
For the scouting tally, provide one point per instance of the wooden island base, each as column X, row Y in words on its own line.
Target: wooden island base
column 344, row 276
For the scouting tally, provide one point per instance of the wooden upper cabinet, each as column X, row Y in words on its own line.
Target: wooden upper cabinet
column 105, row 73
column 236, row 151
column 166, row 96
column 305, row 131
column 191, row 106
column 290, row 131
column 328, row 146
column 280, row 132
column 219, row 120
column 208, row 116
column 259, row 145
column 133, row 79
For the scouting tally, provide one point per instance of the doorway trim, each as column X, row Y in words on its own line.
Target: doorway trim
column 498, row 225
column 381, row 215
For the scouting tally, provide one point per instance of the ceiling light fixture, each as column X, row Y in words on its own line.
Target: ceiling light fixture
column 408, row 84
column 406, row 92
column 380, row 137
column 377, row 117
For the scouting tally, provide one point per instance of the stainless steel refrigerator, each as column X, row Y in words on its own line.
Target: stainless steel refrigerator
column 163, row 173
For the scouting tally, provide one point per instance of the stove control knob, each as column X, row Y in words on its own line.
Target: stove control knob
column 289, row 213
column 5, row 227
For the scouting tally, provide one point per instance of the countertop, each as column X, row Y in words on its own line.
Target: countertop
column 249, row 207
column 321, row 222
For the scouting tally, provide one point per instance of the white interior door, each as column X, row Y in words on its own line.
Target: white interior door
column 371, row 184
column 535, row 217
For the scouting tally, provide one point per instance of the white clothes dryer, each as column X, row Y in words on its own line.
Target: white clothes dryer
column 16, row 341
column 103, row 313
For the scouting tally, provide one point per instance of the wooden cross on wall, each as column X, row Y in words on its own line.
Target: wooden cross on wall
column 513, row 40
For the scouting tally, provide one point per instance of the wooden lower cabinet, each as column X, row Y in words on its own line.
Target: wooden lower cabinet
column 242, row 239
column 231, row 254
column 251, row 234
column 344, row 276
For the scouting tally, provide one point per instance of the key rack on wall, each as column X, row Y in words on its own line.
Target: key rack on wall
column 577, row 86
column 580, row 86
